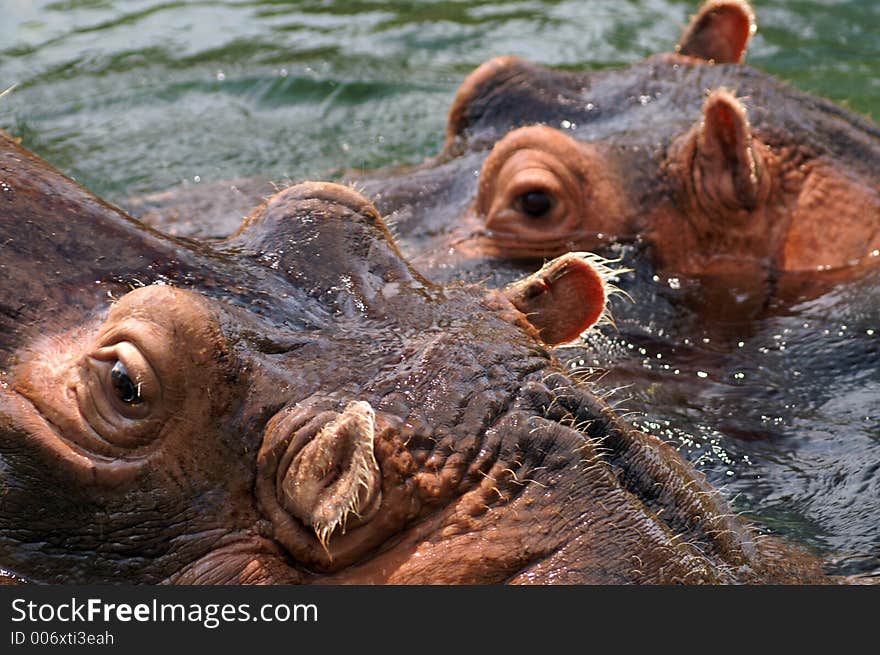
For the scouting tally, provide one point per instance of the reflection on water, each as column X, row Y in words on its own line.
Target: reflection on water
column 136, row 96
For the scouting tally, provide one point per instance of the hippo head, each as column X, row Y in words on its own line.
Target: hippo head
column 715, row 168
column 296, row 404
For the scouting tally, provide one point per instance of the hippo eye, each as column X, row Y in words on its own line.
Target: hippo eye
column 535, row 203
column 126, row 390
column 124, row 382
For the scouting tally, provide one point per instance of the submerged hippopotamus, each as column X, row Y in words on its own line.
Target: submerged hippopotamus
column 722, row 171
column 296, row 404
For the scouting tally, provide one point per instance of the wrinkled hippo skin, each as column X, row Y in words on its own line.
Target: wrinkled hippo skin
column 722, row 172
column 295, row 404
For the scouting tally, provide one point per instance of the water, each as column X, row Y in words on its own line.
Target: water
column 135, row 96
column 132, row 97
column 782, row 413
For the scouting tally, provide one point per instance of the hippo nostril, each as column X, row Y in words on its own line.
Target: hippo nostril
column 334, row 477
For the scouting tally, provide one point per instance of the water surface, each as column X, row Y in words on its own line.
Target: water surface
column 137, row 95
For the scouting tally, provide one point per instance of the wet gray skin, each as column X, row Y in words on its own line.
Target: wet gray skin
column 296, row 404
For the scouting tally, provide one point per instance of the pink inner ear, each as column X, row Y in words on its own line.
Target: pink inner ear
column 562, row 300
column 721, row 120
column 720, row 32
column 578, row 299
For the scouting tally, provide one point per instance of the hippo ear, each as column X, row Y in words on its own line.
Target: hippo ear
column 727, row 164
column 62, row 249
column 504, row 93
column 564, row 299
column 329, row 241
column 719, row 32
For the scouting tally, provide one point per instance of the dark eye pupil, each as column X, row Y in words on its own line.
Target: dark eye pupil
column 536, row 203
column 123, row 385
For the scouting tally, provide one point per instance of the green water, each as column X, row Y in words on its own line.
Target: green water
column 136, row 96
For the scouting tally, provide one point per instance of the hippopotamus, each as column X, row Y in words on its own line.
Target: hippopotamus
column 297, row 404
column 723, row 173
column 718, row 168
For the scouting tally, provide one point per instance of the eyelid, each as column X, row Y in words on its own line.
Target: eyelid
column 534, row 179
column 145, row 335
column 129, row 354
column 141, row 372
